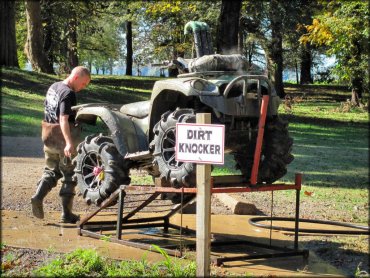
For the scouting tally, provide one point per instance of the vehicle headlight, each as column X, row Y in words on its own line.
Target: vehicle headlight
column 204, row 87
column 198, row 85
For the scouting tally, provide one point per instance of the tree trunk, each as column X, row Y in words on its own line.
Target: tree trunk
column 8, row 43
column 306, row 9
column 357, row 89
column 89, row 64
column 296, row 72
column 228, row 27
column 357, row 78
column 49, row 29
column 306, row 64
column 241, row 40
column 275, row 53
column 72, row 41
column 35, row 43
column 129, row 47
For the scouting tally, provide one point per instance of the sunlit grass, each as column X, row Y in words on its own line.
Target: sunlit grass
column 23, row 94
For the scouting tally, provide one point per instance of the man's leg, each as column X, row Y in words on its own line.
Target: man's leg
column 67, row 192
column 48, row 180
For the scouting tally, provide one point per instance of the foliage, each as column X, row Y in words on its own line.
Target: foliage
column 163, row 23
column 101, row 39
column 21, row 33
column 342, row 28
column 86, row 263
column 81, row 263
column 174, row 268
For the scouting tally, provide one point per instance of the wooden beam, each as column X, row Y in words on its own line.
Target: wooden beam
column 203, row 217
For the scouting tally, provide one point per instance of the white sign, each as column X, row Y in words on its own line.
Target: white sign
column 200, row 143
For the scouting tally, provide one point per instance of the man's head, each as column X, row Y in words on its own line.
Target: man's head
column 79, row 78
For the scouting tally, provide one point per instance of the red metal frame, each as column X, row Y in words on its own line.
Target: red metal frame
column 224, row 187
column 221, row 184
column 261, row 130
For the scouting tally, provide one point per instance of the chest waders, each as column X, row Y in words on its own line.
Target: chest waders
column 57, row 167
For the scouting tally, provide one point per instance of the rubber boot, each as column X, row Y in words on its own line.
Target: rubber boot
column 37, row 199
column 67, row 215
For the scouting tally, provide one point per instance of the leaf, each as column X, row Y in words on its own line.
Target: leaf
column 309, row 193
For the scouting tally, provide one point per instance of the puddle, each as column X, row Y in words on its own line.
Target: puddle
column 28, row 232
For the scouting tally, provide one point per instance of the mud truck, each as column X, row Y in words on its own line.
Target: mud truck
column 142, row 135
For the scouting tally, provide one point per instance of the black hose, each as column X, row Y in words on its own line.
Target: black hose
column 364, row 230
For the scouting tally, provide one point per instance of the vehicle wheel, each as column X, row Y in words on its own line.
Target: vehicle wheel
column 275, row 155
column 100, row 169
column 179, row 174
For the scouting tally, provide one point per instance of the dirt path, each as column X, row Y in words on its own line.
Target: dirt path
column 22, row 164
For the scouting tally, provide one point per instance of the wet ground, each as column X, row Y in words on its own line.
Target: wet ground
column 20, row 230
column 22, row 165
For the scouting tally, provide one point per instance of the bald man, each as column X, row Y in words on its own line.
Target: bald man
column 60, row 136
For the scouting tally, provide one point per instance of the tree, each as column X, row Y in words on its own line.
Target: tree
column 275, row 46
column 164, row 23
column 72, row 53
column 296, row 55
column 8, row 43
column 263, row 22
column 34, row 45
column 21, row 32
column 128, row 27
column 344, row 30
column 99, row 30
column 228, row 27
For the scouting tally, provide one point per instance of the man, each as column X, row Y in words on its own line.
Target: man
column 60, row 136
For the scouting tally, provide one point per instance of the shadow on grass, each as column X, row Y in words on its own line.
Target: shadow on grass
column 108, row 95
column 146, row 84
column 330, row 154
column 16, row 127
column 22, row 80
column 321, row 121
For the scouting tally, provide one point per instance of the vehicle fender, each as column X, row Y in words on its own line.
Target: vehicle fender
column 127, row 136
column 181, row 85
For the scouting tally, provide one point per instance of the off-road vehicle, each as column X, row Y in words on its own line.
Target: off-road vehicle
column 142, row 134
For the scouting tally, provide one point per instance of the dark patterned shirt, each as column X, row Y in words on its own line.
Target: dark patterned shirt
column 59, row 101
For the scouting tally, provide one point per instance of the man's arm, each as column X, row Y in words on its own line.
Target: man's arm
column 64, row 125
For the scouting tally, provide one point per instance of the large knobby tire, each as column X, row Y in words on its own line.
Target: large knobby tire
column 100, row 169
column 275, row 156
column 178, row 174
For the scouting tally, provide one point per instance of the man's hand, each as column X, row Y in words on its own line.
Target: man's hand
column 69, row 149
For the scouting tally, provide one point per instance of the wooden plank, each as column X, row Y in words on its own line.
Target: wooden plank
column 203, row 217
column 236, row 204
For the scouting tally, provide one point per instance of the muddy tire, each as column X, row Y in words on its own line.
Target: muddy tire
column 276, row 152
column 100, row 169
column 178, row 174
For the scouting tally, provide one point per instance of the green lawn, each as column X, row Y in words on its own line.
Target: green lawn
column 23, row 94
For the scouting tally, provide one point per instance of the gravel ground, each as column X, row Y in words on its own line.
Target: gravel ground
column 22, row 164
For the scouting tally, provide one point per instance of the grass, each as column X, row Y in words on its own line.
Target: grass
column 23, row 94
column 87, row 263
